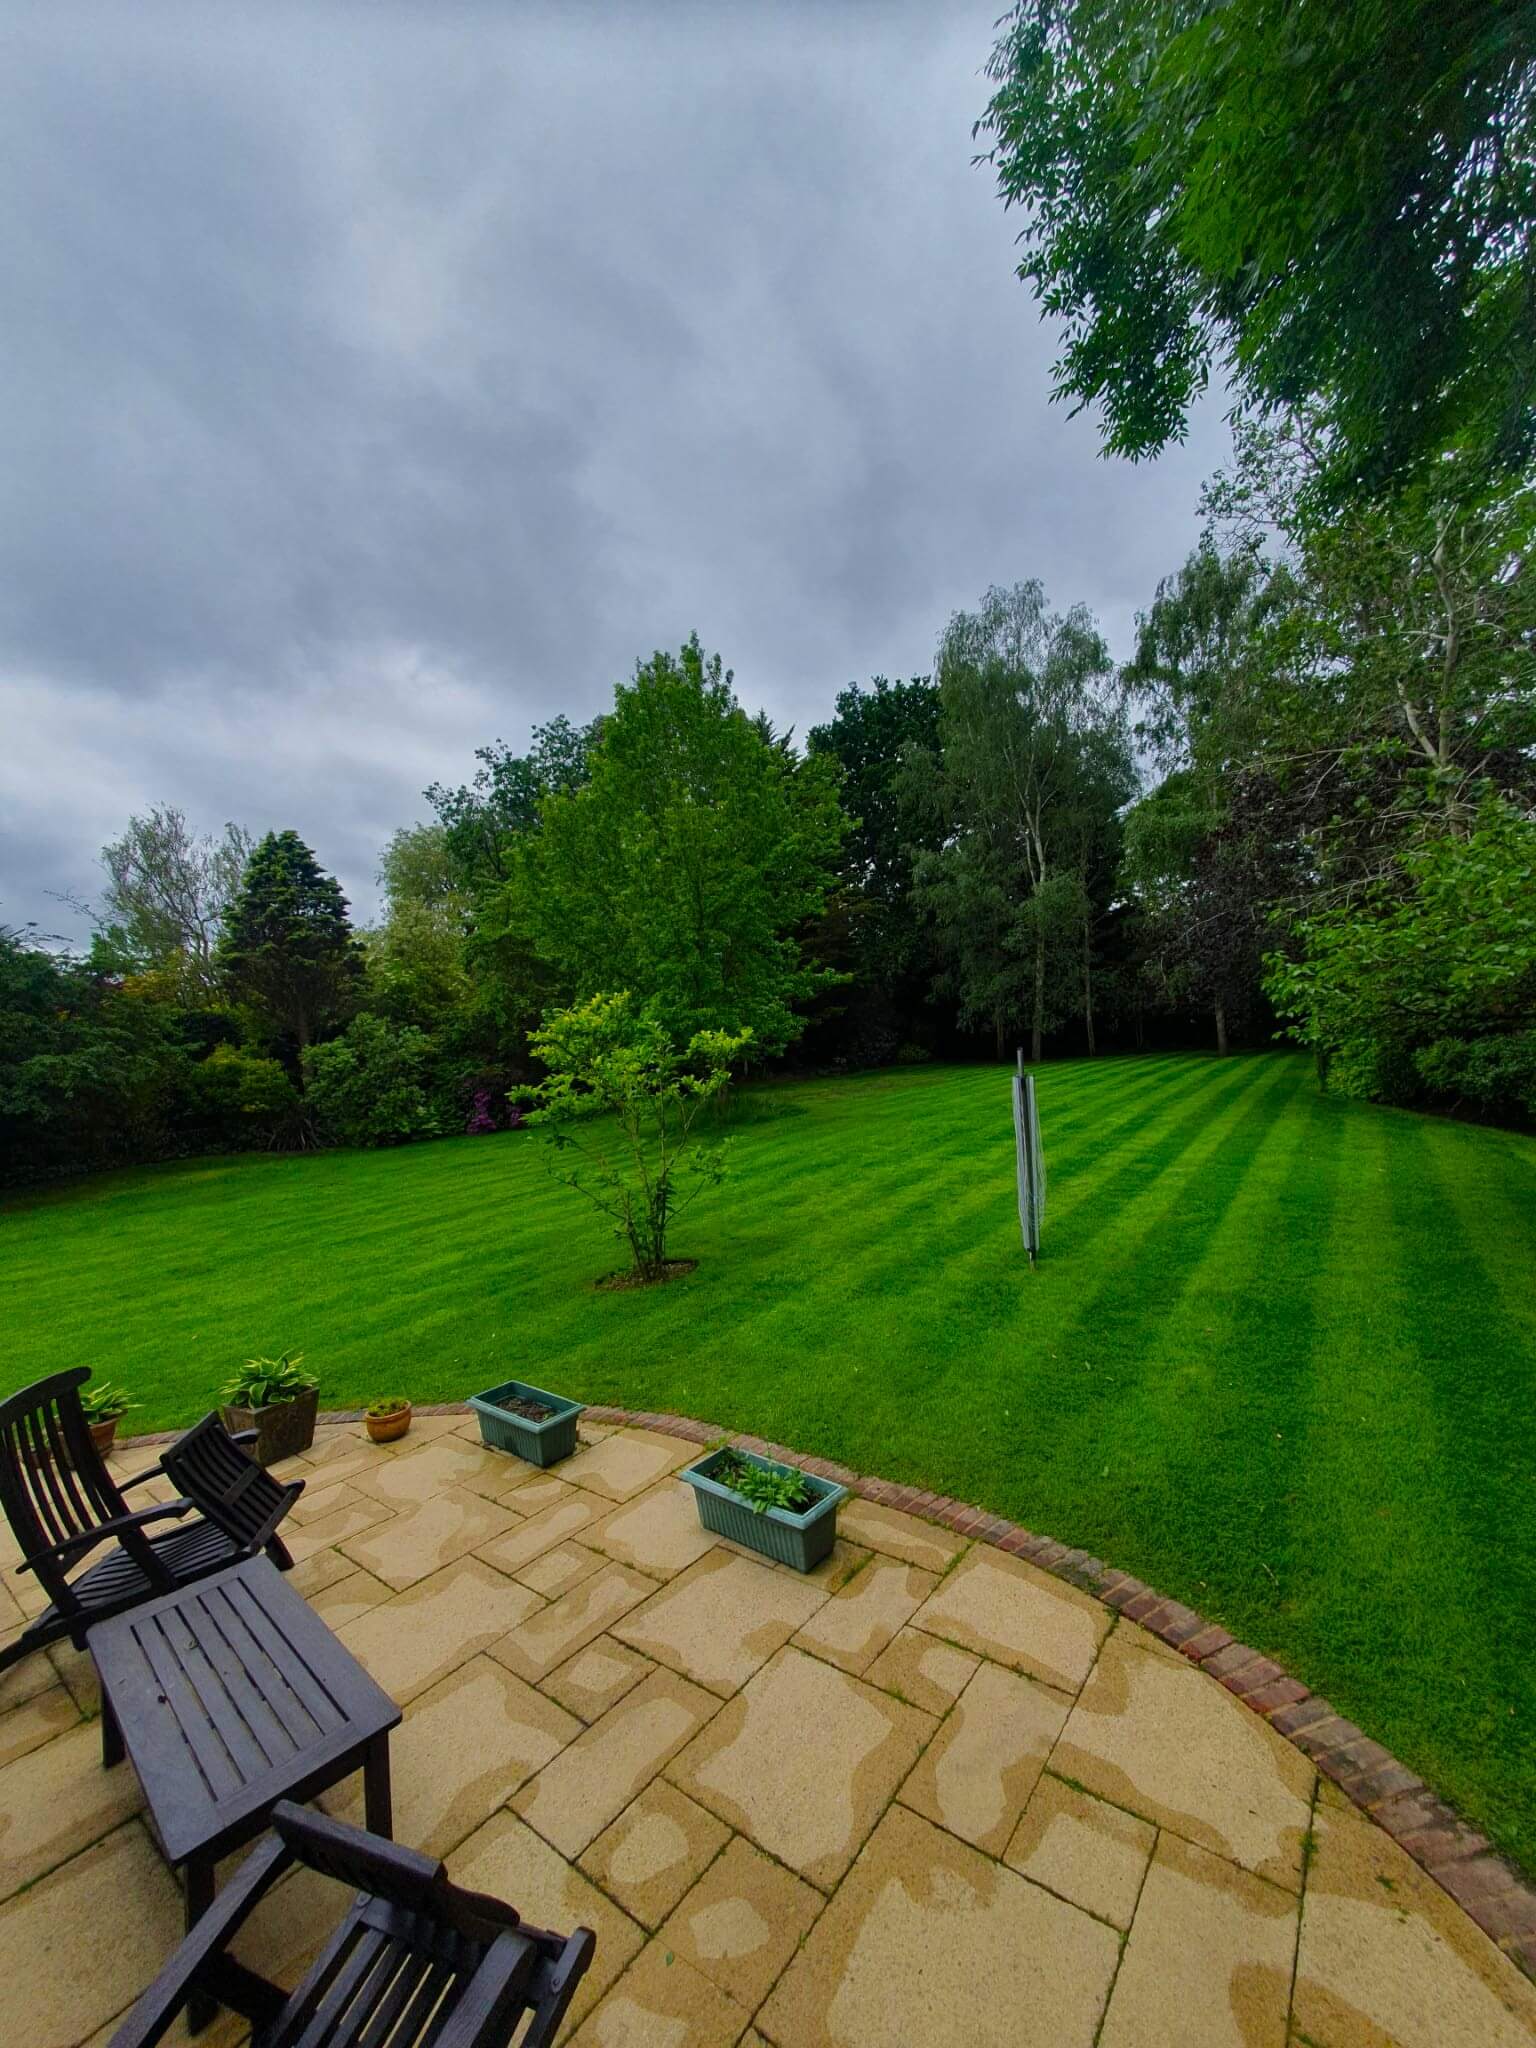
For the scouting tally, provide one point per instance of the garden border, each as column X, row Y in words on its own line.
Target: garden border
column 1462, row 1861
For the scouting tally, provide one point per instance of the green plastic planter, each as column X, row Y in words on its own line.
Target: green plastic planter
column 541, row 1443
column 801, row 1541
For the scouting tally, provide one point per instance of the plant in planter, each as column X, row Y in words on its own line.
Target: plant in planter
column 271, row 1396
column 774, row 1509
column 387, row 1418
column 105, row 1405
column 527, row 1421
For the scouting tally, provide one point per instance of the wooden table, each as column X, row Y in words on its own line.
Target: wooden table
column 226, row 1696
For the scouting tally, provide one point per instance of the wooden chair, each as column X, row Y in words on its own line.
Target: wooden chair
column 417, row 1962
column 63, row 1503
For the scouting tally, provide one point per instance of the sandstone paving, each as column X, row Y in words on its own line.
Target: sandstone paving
column 1163, row 1740
column 986, row 1760
column 793, row 1809
column 468, row 1745
column 590, row 1783
column 507, row 1859
column 1091, row 1853
column 803, row 1761
column 1385, row 1955
column 556, row 1571
column 1208, row 1962
column 624, row 1464
column 419, row 1636
column 1007, row 1611
column 927, row 1940
column 878, row 1527
column 742, row 1922
column 412, row 1546
column 57, row 1799
column 36, row 1721
column 651, row 1855
column 71, row 1957
column 659, row 1532
column 866, row 1612
column 596, row 1678
column 418, row 1476
column 343, row 1600
column 525, row 1540
column 662, row 2003
column 916, row 1667
column 541, row 1642
column 722, row 1619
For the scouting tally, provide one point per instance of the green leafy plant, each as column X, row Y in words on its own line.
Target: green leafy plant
column 104, row 1401
column 761, row 1487
column 265, row 1382
column 389, row 1404
column 620, row 1104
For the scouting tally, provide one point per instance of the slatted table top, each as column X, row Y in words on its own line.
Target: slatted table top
column 230, row 1694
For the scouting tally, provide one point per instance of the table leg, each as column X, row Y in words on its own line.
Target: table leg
column 197, row 1879
column 376, row 1794
column 112, row 1751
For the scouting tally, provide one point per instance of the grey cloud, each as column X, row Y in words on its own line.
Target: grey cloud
column 383, row 378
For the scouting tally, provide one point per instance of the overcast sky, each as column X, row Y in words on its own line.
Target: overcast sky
column 383, row 378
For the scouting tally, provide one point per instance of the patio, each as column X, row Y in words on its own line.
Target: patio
column 928, row 1793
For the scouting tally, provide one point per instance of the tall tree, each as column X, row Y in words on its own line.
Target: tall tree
column 483, row 819
column 286, row 947
column 1032, row 744
column 166, row 894
column 1327, row 203
column 686, row 866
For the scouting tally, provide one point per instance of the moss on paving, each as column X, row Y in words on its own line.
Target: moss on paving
column 1277, row 1358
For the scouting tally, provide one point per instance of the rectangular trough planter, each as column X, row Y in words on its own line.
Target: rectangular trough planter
column 541, row 1443
column 801, row 1541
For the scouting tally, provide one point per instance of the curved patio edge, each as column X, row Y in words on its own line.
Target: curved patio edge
column 1461, row 1860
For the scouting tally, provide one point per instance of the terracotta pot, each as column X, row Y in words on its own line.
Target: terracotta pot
column 103, row 1434
column 282, row 1430
column 384, row 1429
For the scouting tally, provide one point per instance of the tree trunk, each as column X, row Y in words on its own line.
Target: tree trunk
column 1221, row 1027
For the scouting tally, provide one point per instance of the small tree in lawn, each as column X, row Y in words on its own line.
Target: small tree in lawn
column 620, row 1104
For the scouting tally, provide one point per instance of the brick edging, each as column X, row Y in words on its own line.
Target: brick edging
column 1462, row 1861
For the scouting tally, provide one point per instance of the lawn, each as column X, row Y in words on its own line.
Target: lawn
column 1278, row 1359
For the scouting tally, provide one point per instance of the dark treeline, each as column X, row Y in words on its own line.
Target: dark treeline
column 1303, row 806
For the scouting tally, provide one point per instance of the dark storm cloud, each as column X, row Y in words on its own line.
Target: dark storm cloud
column 382, row 378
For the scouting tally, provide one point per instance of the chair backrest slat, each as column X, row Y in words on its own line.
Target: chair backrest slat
column 53, row 1483
column 230, row 1488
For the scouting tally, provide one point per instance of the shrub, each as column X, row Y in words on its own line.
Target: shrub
column 368, row 1087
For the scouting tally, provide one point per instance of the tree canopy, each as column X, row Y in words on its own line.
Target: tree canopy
column 1328, row 205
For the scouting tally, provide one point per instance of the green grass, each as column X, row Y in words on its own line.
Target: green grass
column 1277, row 1358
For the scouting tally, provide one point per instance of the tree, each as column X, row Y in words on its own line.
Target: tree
column 1327, row 203
column 369, row 1086
column 620, row 1104
column 166, row 894
column 483, row 820
column 417, row 972
column 286, row 946
column 1428, row 978
column 687, row 865
column 1034, row 763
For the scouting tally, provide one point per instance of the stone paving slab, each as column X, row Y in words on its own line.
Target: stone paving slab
column 803, row 1760
column 928, row 1940
column 654, row 1851
column 1162, row 1740
column 722, row 1619
column 925, row 1793
column 1005, row 1610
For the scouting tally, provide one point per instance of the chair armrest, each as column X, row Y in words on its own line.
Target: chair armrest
column 138, row 1479
column 77, row 1546
column 495, row 1996
column 555, row 1987
column 157, row 2007
column 244, row 1436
